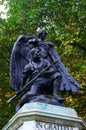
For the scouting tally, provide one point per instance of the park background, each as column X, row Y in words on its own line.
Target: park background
column 65, row 22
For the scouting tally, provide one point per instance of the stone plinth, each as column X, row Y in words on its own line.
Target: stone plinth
column 41, row 116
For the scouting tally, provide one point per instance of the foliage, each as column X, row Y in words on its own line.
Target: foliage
column 66, row 27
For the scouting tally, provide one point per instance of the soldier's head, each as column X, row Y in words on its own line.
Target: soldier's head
column 36, row 53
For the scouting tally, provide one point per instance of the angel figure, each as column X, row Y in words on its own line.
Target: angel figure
column 36, row 69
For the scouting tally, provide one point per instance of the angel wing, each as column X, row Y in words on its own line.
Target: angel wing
column 20, row 56
column 68, row 83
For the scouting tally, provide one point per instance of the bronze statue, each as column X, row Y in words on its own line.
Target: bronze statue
column 37, row 73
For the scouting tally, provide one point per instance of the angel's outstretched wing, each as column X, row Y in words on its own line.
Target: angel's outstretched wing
column 20, row 56
column 68, row 83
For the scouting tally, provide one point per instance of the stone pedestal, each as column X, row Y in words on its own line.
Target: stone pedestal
column 41, row 116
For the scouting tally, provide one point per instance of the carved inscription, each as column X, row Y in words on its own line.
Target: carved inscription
column 50, row 126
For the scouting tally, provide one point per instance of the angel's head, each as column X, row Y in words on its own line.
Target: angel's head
column 42, row 34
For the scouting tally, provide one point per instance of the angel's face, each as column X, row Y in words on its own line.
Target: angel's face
column 42, row 34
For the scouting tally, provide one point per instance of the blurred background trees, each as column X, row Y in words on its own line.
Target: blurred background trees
column 65, row 22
